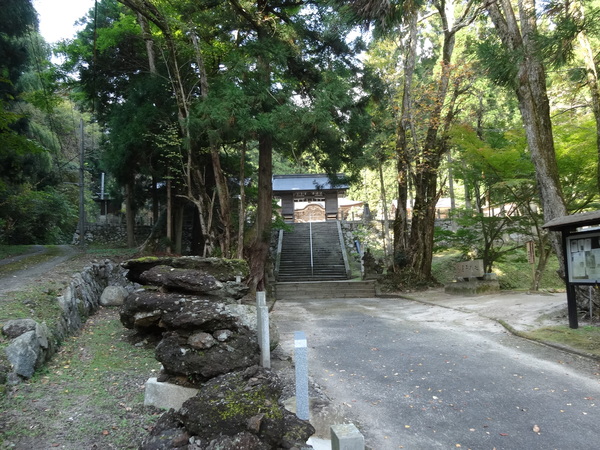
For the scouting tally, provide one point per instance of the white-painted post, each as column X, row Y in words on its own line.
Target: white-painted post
column 262, row 329
column 301, row 360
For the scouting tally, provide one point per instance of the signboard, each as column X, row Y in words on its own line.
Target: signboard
column 472, row 269
column 583, row 258
column 531, row 252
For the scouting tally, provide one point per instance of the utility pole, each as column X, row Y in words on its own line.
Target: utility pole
column 81, row 192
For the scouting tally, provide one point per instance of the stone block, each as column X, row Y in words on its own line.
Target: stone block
column 166, row 395
column 469, row 269
column 346, row 437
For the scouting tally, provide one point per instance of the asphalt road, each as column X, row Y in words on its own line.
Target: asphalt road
column 418, row 376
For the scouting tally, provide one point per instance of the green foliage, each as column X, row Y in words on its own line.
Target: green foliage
column 514, row 271
column 576, row 155
column 37, row 217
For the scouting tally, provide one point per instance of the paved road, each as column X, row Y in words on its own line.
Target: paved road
column 418, row 376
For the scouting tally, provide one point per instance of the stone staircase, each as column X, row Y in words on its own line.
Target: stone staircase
column 326, row 276
column 316, row 290
column 326, row 263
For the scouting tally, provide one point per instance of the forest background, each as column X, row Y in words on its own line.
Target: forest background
column 196, row 104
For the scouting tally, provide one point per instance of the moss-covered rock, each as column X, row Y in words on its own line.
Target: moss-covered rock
column 244, row 402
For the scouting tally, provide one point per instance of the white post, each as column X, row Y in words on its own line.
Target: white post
column 301, row 360
column 262, row 329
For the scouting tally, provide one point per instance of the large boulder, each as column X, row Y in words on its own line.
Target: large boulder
column 201, row 356
column 172, row 311
column 220, row 268
column 149, row 310
column 192, row 281
column 113, row 296
column 238, row 410
column 185, row 280
column 200, row 338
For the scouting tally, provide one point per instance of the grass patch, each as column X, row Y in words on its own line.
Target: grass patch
column 37, row 302
column 586, row 339
column 514, row 272
column 101, row 344
column 8, row 251
column 90, row 396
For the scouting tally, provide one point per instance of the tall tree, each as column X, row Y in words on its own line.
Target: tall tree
column 517, row 29
column 569, row 45
column 422, row 123
column 114, row 82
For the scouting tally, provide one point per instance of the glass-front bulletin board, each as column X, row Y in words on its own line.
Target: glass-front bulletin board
column 584, row 258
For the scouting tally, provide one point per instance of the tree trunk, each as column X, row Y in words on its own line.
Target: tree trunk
column 401, row 237
column 242, row 205
column 169, row 216
column 220, row 179
column 428, row 160
column 178, row 228
column 259, row 252
column 224, row 206
column 129, row 214
column 386, row 221
column 155, row 205
column 264, row 214
column 147, row 36
column 422, row 224
column 530, row 87
column 150, row 12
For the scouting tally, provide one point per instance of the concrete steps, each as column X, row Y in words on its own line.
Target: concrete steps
column 314, row 290
column 327, row 258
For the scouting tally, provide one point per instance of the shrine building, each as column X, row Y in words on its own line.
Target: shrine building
column 308, row 197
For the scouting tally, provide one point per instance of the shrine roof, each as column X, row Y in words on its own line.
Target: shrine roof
column 573, row 221
column 306, row 182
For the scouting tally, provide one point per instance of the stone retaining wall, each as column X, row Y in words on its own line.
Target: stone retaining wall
column 33, row 343
column 111, row 234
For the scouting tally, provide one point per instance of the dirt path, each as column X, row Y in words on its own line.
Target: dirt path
column 37, row 271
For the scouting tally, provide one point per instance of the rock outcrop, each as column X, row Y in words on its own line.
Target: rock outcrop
column 193, row 303
column 209, row 342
